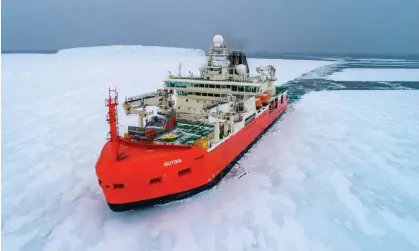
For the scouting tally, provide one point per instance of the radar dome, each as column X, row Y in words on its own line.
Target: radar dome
column 241, row 69
column 218, row 40
column 203, row 67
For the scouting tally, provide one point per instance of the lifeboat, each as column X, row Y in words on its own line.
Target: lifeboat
column 258, row 102
column 265, row 98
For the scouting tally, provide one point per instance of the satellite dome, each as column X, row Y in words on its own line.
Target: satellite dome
column 203, row 67
column 218, row 40
column 241, row 69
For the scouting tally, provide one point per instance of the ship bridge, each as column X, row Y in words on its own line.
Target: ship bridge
column 223, row 75
column 185, row 87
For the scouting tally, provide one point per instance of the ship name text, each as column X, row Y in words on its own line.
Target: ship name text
column 172, row 162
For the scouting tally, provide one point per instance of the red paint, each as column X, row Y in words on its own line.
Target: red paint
column 150, row 132
column 166, row 166
column 171, row 123
column 265, row 98
column 258, row 102
column 112, row 103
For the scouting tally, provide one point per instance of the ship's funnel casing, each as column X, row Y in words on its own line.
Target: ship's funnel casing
column 238, row 58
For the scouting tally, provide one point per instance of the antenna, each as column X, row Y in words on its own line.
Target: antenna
column 180, row 69
column 112, row 117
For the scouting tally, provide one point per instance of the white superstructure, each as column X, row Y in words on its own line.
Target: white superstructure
column 224, row 94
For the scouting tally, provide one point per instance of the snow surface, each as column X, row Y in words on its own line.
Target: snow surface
column 338, row 172
column 365, row 74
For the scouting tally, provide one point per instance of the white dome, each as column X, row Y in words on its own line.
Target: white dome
column 218, row 40
column 203, row 67
column 241, row 69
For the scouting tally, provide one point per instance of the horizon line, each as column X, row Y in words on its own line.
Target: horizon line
column 250, row 54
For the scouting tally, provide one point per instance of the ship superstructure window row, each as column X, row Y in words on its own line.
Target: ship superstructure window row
column 203, row 94
column 234, row 88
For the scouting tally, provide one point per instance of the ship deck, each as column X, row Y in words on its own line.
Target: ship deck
column 187, row 132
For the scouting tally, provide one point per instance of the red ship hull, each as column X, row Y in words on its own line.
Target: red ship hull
column 156, row 174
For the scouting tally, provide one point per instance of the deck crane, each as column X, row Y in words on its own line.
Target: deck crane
column 164, row 120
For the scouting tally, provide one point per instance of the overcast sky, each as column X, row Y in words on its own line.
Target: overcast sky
column 283, row 26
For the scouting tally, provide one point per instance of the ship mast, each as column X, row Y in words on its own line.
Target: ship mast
column 112, row 117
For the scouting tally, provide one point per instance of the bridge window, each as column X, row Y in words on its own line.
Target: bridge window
column 234, row 88
column 250, row 88
column 182, row 84
column 182, row 93
column 168, row 84
column 177, row 84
